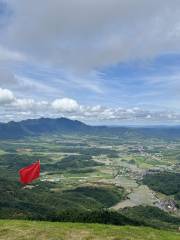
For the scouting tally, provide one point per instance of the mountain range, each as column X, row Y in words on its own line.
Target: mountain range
column 36, row 127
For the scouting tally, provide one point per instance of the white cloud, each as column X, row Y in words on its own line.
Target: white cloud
column 14, row 108
column 23, row 104
column 6, row 96
column 65, row 105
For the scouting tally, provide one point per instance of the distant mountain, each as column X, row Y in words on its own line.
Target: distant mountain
column 36, row 127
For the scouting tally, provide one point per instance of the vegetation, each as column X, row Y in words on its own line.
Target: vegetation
column 107, row 196
column 22, row 230
column 152, row 216
column 72, row 162
column 41, row 202
column 167, row 183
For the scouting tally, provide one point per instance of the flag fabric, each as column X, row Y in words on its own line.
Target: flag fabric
column 29, row 173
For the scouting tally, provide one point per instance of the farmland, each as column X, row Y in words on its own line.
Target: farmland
column 87, row 172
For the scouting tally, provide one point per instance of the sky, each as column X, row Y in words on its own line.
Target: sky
column 102, row 62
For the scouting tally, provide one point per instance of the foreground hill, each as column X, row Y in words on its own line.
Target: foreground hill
column 36, row 127
column 22, row 230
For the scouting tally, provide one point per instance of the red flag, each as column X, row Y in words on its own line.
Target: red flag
column 29, row 173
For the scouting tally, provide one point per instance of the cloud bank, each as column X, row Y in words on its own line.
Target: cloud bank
column 21, row 108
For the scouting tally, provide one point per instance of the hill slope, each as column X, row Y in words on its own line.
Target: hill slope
column 22, row 230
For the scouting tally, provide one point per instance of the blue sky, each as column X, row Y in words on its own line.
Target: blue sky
column 105, row 62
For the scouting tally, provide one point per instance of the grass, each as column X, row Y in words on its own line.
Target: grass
column 32, row 230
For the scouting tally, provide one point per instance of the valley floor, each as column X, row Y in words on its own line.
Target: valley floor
column 31, row 230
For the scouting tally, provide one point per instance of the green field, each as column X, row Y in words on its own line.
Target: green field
column 27, row 230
